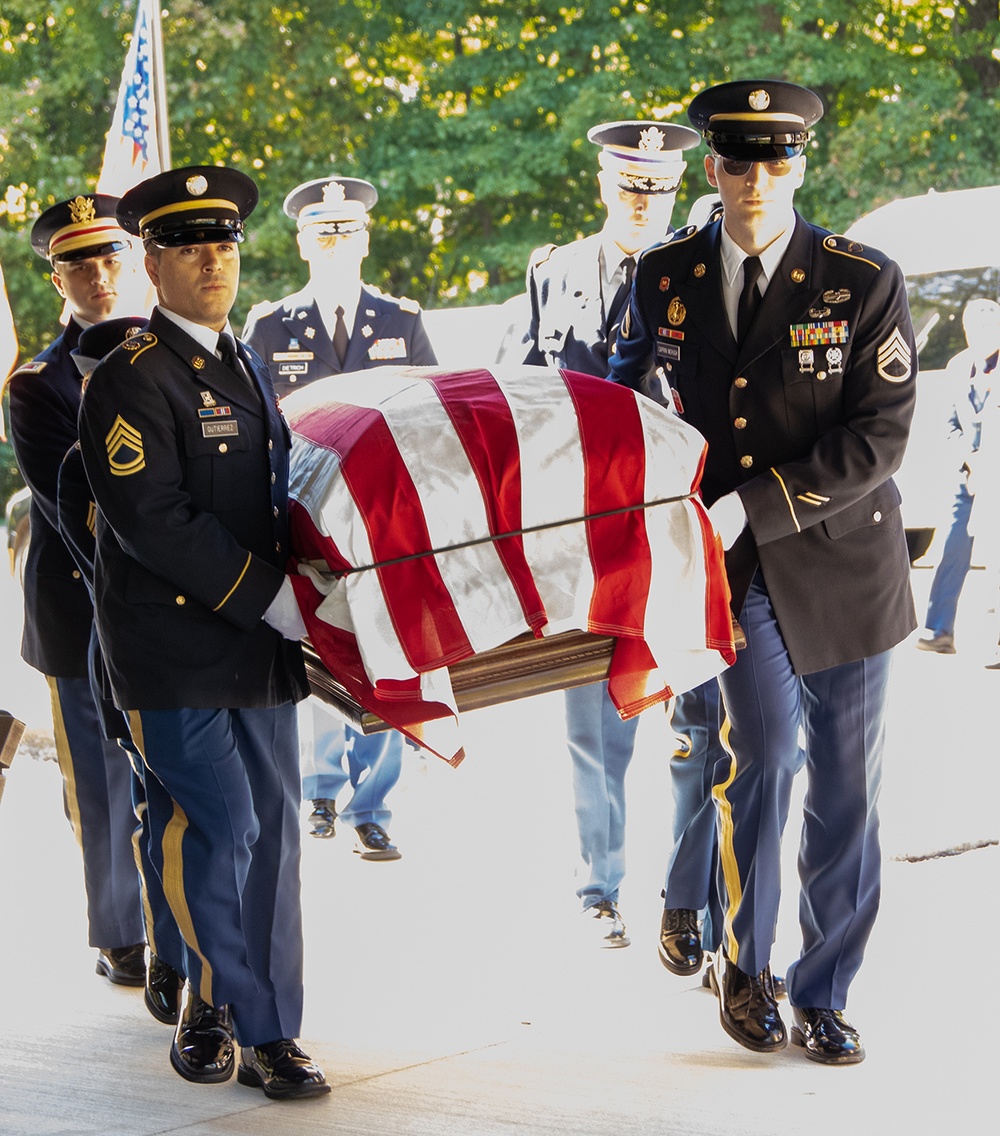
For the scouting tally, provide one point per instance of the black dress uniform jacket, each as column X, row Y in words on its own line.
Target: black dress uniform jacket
column 808, row 419
column 44, row 406
column 291, row 337
column 188, row 462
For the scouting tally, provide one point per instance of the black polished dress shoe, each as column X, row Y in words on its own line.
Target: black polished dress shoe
column 202, row 1049
column 124, row 966
column 374, row 843
column 163, row 991
column 826, row 1036
column 777, row 982
column 680, row 941
column 321, row 819
column 748, row 1010
column 282, row 1070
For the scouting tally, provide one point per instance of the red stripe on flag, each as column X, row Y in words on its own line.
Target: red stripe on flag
column 482, row 419
column 610, row 427
column 426, row 624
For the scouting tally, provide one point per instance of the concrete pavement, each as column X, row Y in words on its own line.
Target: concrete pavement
column 455, row 992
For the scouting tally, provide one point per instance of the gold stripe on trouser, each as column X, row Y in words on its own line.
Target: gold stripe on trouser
column 727, row 853
column 137, row 832
column 172, row 846
column 64, row 757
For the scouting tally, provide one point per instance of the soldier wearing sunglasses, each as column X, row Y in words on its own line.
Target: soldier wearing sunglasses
column 791, row 350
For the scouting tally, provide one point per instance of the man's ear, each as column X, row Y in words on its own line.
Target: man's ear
column 713, row 181
column 152, row 269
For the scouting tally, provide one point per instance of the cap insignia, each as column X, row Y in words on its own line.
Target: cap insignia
column 333, row 192
column 196, row 185
column 81, row 209
column 759, row 99
column 651, row 138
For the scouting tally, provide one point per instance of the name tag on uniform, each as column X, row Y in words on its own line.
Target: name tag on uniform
column 668, row 351
column 387, row 349
column 292, row 356
column 216, row 429
column 293, row 368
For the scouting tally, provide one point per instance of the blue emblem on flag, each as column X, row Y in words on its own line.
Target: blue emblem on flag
column 135, row 121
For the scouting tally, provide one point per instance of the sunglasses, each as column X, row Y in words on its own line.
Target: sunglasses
column 737, row 167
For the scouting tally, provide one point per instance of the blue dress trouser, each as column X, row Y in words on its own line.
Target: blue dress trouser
column 97, row 798
column 842, row 711
column 693, row 865
column 222, row 790
column 374, row 762
column 601, row 746
column 953, row 567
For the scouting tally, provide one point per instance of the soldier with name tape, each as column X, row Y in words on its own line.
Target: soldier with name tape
column 791, row 349
column 337, row 323
column 187, row 454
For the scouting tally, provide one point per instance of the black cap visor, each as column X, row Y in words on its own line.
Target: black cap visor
column 757, row 148
column 107, row 249
column 194, row 231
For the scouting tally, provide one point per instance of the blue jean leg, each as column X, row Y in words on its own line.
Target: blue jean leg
column 953, row 567
column 374, row 762
column 600, row 745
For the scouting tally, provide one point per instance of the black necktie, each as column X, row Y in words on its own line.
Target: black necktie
column 227, row 354
column 340, row 337
column 616, row 309
column 749, row 297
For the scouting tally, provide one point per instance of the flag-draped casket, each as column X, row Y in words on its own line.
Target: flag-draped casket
column 439, row 514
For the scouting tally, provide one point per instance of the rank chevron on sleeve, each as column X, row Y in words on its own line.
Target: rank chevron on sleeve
column 125, row 450
column 894, row 359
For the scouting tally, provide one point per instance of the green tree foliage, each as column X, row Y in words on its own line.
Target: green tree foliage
column 471, row 116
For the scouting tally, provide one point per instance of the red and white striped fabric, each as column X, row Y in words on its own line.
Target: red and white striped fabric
column 394, row 462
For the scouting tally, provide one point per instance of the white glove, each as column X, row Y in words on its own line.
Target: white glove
column 728, row 518
column 283, row 614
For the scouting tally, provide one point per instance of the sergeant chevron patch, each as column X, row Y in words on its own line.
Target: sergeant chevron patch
column 125, row 452
column 894, row 359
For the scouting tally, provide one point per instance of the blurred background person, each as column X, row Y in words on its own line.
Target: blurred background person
column 336, row 324
column 970, row 375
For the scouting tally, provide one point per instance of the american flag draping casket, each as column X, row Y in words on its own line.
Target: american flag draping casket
column 439, row 514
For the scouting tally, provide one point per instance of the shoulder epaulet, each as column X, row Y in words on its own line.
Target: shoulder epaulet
column 844, row 246
column 540, row 255
column 137, row 344
column 716, row 214
column 35, row 367
column 408, row 305
column 679, row 235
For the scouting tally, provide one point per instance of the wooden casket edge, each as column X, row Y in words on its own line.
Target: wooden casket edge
column 518, row 669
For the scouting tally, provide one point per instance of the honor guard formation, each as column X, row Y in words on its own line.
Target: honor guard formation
column 159, row 607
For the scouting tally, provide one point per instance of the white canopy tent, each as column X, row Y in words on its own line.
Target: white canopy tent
column 937, row 232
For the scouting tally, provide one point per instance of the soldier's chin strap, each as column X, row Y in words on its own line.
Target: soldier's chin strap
column 515, row 532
